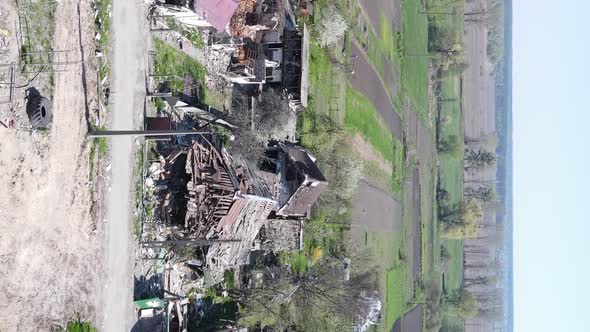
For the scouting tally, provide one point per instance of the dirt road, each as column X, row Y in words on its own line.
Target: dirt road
column 374, row 210
column 390, row 9
column 129, row 45
column 49, row 246
column 366, row 80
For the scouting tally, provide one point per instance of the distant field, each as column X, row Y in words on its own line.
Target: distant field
column 451, row 175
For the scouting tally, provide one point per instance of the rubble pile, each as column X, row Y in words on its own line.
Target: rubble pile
column 196, row 190
column 238, row 22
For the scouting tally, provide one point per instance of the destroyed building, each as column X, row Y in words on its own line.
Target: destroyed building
column 204, row 194
column 257, row 59
column 300, row 181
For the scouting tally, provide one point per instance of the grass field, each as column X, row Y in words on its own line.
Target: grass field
column 415, row 61
column 451, row 175
column 326, row 83
column 395, row 299
column 170, row 61
column 362, row 117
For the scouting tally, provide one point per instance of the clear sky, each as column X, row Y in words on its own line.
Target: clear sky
column 551, row 82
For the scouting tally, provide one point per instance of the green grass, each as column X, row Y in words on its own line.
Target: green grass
column 214, row 98
column 169, row 61
column 395, row 302
column 78, row 326
column 454, row 271
column 326, row 83
column 362, row 117
column 451, row 174
column 103, row 20
column 415, row 60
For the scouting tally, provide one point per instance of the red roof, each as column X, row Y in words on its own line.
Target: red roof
column 217, row 12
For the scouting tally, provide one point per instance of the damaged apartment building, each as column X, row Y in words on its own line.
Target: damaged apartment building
column 205, row 196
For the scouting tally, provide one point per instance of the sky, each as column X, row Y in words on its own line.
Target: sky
column 551, row 112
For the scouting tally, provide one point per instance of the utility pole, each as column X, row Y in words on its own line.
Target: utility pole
column 108, row 133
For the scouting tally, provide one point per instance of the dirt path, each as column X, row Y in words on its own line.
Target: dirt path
column 130, row 40
column 391, row 9
column 374, row 210
column 366, row 80
column 49, row 247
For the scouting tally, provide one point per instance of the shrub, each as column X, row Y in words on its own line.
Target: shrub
column 331, row 26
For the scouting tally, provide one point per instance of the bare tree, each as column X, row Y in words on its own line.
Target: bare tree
column 480, row 281
column 477, row 159
column 486, row 194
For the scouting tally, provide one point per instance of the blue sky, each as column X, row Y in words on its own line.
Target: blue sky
column 551, row 81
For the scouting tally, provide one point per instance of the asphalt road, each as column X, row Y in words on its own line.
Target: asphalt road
column 129, row 45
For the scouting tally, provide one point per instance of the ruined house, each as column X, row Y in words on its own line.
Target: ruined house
column 208, row 197
column 300, row 181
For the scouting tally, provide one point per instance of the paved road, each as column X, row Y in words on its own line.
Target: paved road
column 129, row 53
column 374, row 210
column 366, row 80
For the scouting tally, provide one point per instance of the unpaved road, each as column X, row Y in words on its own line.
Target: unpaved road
column 374, row 210
column 129, row 45
column 49, row 247
column 366, row 80
column 390, row 9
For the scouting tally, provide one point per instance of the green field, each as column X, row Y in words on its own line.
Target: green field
column 395, row 299
column 362, row 117
column 451, row 175
column 170, row 61
column 415, row 61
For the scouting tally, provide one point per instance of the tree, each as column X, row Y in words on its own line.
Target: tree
column 331, row 26
column 485, row 194
column 460, row 304
column 462, row 220
column 489, row 17
column 320, row 131
column 488, row 139
column 269, row 120
column 449, row 145
column 447, row 44
column 480, row 281
column 272, row 116
column 477, row 159
column 343, row 172
column 317, row 298
column 248, row 145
